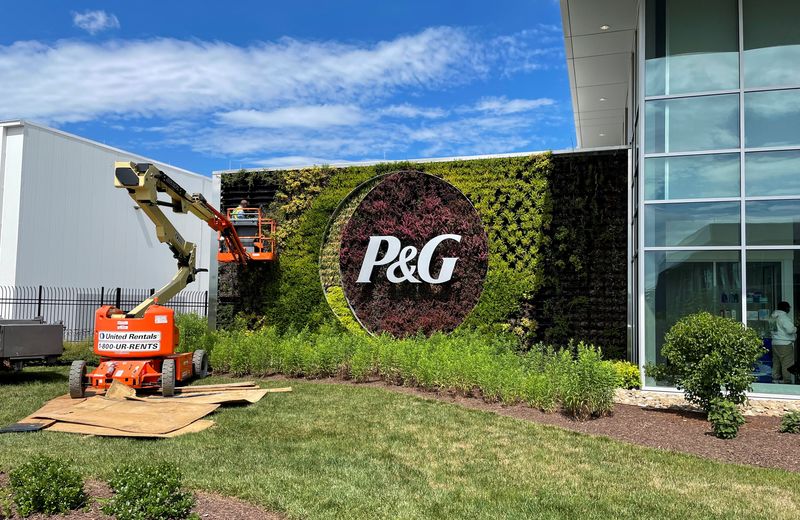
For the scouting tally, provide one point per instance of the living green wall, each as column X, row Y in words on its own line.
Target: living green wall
column 539, row 212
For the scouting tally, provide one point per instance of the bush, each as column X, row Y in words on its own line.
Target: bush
column 627, row 375
column 83, row 350
column 790, row 423
column 46, row 485
column 589, row 387
column 709, row 357
column 725, row 418
column 148, row 492
column 194, row 333
column 464, row 362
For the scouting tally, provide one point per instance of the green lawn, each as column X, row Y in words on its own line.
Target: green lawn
column 336, row 451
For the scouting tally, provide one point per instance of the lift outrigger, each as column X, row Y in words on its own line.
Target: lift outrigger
column 138, row 348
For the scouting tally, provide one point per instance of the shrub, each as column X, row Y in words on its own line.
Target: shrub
column 589, row 387
column 6, row 502
column 75, row 350
column 709, row 357
column 194, row 333
column 627, row 375
column 464, row 362
column 46, row 485
column 790, row 423
column 148, row 492
column 725, row 418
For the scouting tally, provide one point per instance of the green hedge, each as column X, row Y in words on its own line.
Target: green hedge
column 466, row 362
column 547, row 280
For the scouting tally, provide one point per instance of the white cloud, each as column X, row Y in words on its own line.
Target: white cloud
column 94, row 22
column 308, row 116
column 410, row 111
column 72, row 81
column 289, row 161
column 503, row 105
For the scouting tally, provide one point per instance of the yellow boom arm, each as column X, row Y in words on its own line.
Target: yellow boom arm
column 144, row 182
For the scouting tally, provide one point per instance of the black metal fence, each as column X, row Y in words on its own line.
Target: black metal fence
column 75, row 307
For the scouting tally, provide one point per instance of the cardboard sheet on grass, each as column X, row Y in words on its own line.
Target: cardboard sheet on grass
column 120, row 413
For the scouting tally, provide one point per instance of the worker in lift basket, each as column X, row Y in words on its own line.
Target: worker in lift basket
column 783, row 338
column 238, row 211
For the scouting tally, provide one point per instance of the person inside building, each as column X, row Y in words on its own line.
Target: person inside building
column 238, row 211
column 783, row 338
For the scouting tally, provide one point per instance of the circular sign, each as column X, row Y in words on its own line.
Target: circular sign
column 413, row 256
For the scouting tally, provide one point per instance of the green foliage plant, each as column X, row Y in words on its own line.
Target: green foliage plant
column 790, row 422
column 79, row 350
column 46, row 485
column 589, row 389
column 725, row 418
column 709, row 357
column 466, row 362
column 148, row 492
column 194, row 333
column 628, row 376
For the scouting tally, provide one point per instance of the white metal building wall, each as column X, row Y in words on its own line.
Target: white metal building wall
column 72, row 227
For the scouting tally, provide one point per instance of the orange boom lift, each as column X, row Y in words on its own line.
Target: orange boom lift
column 137, row 347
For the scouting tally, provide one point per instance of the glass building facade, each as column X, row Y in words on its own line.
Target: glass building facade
column 716, row 170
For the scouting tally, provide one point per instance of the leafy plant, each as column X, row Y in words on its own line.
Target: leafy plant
column 627, row 375
column 148, row 492
column 709, row 357
column 46, row 485
column 589, row 388
column 194, row 333
column 465, row 362
column 790, row 422
column 725, row 418
column 6, row 503
column 75, row 350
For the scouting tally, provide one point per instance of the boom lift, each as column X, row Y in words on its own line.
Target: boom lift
column 137, row 347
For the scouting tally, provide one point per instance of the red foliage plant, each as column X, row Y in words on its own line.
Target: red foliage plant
column 414, row 207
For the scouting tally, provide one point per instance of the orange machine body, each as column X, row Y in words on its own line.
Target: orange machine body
column 133, row 349
column 256, row 233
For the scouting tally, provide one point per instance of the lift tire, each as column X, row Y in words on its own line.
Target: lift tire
column 77, row 376
column 200, row 363
column 168, row 377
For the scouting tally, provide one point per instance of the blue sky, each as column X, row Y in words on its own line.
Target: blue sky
column 212, row 85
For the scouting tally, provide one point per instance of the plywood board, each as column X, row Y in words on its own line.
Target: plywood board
column 139, row 416
column 85, row 429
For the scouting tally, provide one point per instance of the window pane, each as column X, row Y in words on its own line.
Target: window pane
column 692, row 124
column 772, row 277
column 772, row 173
column 692, row 224
column 691, row 46
column 679, row 283
column 772, row 118
column 773, row 222
column 692, row 177
column 771, row 43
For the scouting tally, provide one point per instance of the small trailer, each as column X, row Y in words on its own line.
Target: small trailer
column 23, row 341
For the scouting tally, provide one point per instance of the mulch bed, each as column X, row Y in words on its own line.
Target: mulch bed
column 759, row 443
column 208, row 506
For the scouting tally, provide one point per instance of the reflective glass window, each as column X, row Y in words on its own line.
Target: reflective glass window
column 692, row 124
column 771, row 43
column 772, row 173
column 772, row 118
column 772, row 222
column 691, row 46
column 692, row 224
column 692, row 177
column 774, row 277
column 679, row 283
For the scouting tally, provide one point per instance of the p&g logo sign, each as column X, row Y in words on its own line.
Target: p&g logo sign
column 405, row 258
column 413, row 256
